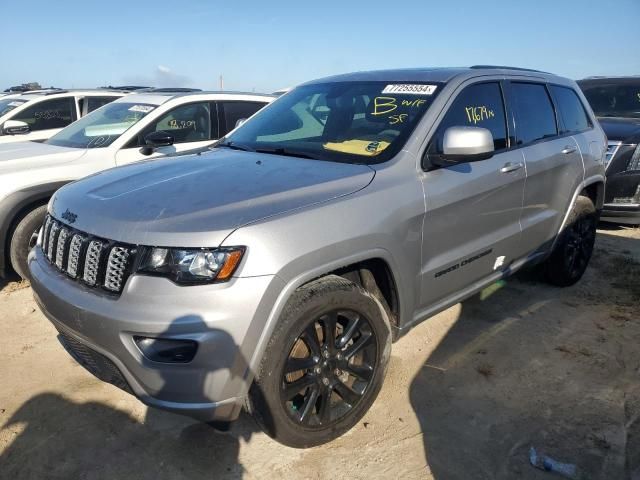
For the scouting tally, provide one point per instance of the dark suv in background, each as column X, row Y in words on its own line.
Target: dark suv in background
column 616, row 103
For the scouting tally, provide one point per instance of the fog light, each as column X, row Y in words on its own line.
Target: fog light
column 166, row 350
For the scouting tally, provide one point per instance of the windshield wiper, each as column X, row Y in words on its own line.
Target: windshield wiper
column 235, row 146
column 286, row 153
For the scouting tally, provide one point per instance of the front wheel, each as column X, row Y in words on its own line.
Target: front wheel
column 574, row 247
column 324, row 364
column 24, row 238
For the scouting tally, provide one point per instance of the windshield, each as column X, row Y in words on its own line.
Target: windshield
column 8, row 104
column 364, row 122
column 101, row 127
column 614, row 100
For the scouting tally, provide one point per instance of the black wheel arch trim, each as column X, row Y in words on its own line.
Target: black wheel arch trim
column 13, row 207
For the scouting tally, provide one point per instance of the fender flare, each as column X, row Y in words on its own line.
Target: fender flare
column 292, row 284
column 585, row 183
column 13, row 206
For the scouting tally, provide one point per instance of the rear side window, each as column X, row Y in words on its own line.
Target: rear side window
column 535, row 118
column 47, row 114
column 478, row 105
column 234, row 111
column 573, row 117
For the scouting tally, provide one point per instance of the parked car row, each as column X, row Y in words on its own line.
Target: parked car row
column 130, row 128
column 274, row 268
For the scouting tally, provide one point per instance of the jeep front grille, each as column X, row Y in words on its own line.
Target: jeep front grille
column 96, row 262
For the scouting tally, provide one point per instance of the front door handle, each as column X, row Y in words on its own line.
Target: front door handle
column 511, row 167
column 568, row 149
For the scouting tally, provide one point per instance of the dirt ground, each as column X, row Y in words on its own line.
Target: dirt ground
column 468, row 393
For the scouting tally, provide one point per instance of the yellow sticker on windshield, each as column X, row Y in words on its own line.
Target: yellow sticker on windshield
column 357, row 147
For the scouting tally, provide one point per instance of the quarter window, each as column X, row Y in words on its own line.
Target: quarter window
column 48, row 114
column 534, row 115
column 478, row 105
column 572, row 114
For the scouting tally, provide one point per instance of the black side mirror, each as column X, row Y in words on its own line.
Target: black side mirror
column 155, row 140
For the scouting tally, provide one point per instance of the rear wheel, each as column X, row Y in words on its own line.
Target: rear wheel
column 24, row 238
column 574, row 247
column 324, row 365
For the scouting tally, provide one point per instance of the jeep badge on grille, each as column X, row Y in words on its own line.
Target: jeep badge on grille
column 69, row 216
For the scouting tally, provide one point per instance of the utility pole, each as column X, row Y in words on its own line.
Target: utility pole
column 221, row 83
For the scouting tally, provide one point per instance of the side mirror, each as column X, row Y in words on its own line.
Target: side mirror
column 15, row 127
column 240, row 122
column 465, row 144
column 155, row 140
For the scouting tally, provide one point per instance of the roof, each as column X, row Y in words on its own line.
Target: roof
column 433, row 74
column 160, row 97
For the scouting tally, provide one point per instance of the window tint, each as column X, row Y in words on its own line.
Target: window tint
column 535, row 118
column 55, row 113
column 572, row 115
column 234, row 111
column 94, row 103
column 614, row 99
column 478, row 105
column 187, row 123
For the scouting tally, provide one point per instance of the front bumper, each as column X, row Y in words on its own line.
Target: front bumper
column 620, row 213
column 98, row 329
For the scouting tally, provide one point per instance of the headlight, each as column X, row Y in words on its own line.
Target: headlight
column 191, row 266
column 634, row 163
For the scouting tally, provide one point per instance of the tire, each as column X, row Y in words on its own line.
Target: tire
column 22, row 239
column 573, row 249
column 300, row 420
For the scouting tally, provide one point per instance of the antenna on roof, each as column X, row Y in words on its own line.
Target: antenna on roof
column 221, row 83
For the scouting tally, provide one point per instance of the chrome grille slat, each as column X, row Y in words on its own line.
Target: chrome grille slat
column 93, row 261
column 45, row 233
column 60, row 247
column 55, row 226
column 74, row 254
column 116, row 268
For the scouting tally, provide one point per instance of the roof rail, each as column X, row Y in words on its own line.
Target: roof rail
column 170, row 90
column 504, row 67
column 46, row 91
column 128, row 88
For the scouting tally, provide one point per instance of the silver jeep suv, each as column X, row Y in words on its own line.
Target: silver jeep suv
column 275, row 270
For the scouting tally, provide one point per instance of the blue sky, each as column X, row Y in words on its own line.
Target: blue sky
column 268, row 45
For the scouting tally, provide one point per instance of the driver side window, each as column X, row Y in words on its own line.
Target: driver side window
column 187, row 123
column 479, row 105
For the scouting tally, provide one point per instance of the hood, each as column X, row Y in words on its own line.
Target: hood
column 626, row 130
column 19, row 156
column 197, row 200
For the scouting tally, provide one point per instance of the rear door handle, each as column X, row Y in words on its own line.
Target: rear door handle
column 511, row 167
column 568, row 149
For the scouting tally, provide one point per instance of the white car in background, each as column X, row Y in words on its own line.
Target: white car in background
column 136, row 127
column 39, row 114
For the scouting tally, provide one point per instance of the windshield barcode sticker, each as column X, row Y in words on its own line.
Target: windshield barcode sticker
column 411, row 89
column 141, row 108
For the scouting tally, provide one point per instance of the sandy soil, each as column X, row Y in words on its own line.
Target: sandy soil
column 467, row 394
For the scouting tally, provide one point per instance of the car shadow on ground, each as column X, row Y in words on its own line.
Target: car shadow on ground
column 528, row 365
column 59, row 438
